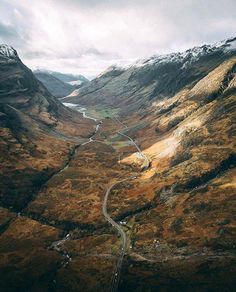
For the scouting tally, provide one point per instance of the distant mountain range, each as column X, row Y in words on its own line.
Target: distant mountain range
column 156, row 78
column 68, row 77
column 60, row 84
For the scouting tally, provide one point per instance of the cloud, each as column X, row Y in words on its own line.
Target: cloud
column 7, row 31
column 86, row 36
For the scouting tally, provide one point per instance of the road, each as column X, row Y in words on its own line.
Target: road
column 117, row 272
column 146, row 160
column 116, row 275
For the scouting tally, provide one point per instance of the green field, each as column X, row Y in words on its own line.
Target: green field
column 100, row 112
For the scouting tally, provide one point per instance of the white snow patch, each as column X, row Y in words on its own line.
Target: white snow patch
column 8, row 52
column 189, row 56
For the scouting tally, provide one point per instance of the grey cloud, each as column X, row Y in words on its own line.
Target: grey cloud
column 35, row 55
column 9, row 35
column 73, row 55
column 91, row 34
column 8, row 32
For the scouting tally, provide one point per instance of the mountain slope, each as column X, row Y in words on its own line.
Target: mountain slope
column 60, row 84
column 179, row 214
column 159, row 77
column 68, row 77
column 54, row 85
column 32, row 123
column 190, row 187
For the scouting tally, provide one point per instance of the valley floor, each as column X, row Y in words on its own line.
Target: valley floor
column 61, row 240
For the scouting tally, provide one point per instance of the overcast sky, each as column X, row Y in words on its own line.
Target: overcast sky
column 86, row 36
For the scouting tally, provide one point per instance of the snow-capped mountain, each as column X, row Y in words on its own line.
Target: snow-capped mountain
column 187, row 57
column 156, row 78
column 191, row 55
column 8, row 52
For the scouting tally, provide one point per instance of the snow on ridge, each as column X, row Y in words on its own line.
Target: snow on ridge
column 8, row 52
column 186, row 58
column 190, row 55
column 114, row 67
column 230, row 44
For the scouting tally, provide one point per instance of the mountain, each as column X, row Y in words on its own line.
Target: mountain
column 178, row 216
column 57, row 87
column 59, row 84
column 69, row 77
column 32, row 123
column 155, row 78
column 160, row 163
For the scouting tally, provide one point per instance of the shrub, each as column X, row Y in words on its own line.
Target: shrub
column 175, row 122
column 191, row 140
column 177, row 224
column 180, row 157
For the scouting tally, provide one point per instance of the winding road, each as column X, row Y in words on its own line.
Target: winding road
column 146, row 160
column 117, row 272
column 116, row 275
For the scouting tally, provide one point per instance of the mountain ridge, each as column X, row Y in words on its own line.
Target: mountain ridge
column 155, row 78
column 60, row 84
column 57, row 87
column 8, row 52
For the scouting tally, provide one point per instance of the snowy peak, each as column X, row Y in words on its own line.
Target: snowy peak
column 112, row 71
column 191, row 55
column 230, row 44
column 8, row 52
column 185, row 59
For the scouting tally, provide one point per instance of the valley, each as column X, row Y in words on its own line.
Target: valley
column 127, row 184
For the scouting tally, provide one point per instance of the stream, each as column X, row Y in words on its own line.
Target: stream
column 57, row 244
column 80, row 109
